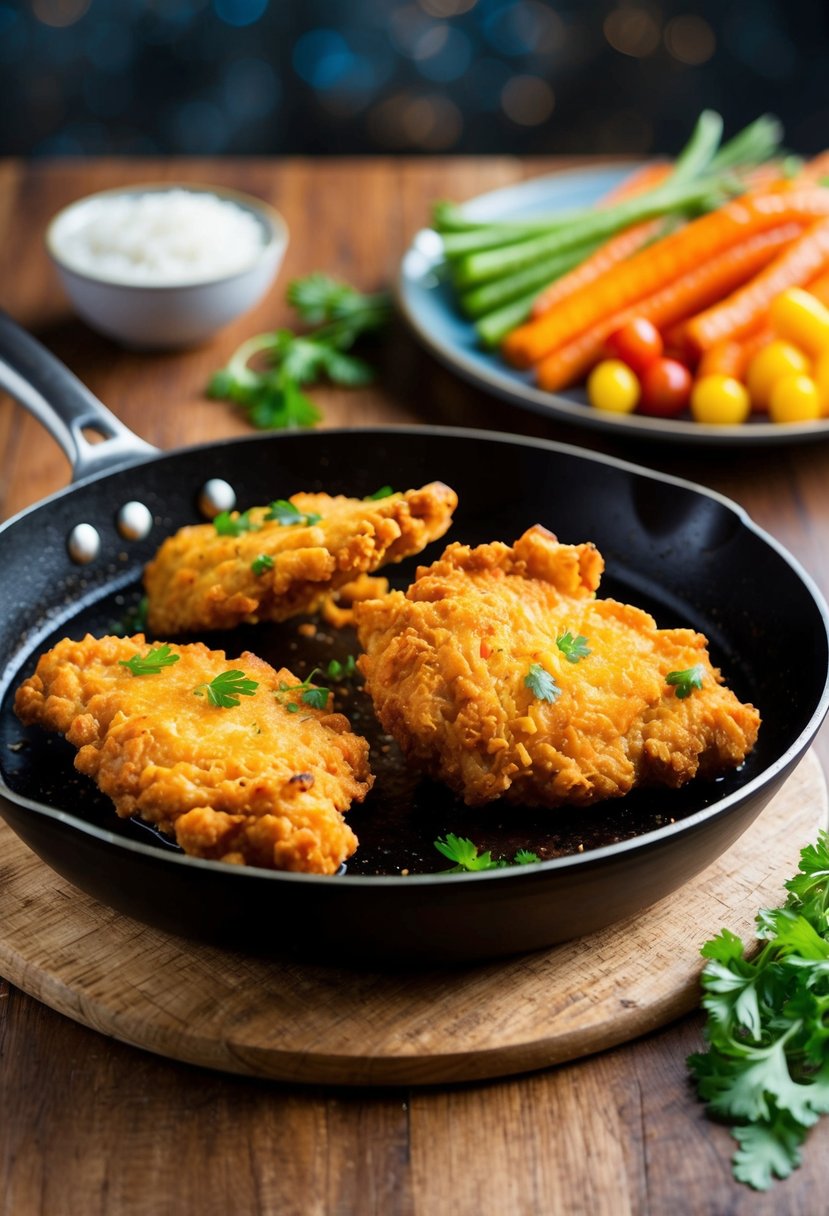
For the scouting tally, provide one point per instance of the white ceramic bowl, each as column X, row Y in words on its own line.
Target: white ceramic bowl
column 167, row 314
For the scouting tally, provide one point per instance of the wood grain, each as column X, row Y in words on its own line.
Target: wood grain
column 294, row 1022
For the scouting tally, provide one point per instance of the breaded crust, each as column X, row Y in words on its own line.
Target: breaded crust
column 447, row 665
column 200, row 580
column 253, row 784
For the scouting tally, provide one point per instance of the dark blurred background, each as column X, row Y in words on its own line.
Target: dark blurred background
column 141, row 77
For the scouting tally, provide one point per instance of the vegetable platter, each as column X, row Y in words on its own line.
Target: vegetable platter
column 662, row 301
column 604, row 865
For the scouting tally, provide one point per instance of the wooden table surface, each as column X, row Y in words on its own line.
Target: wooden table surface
column 91, row 1126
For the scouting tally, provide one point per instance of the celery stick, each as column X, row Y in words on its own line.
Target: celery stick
column 459, row 244
column 701, row 148
column 592, row 226
column 497, row 292
column 495, row 326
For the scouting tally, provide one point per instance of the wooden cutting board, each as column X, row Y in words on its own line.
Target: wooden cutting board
column 293, row 1022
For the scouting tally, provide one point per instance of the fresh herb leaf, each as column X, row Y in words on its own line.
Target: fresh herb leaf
column 383, row 492
column 464, row 853
column 270, row 393
column 686, row 681
column 134, row 620
column 261, row 563
column 524, row 857
column 341, row 671
column 227, row 523
column 286, row 514
column 541, row 684
column 225, row 689
column 766, row 1067
column 468, row 860
column 151, row 663
column 572, row 648
column 316, row 698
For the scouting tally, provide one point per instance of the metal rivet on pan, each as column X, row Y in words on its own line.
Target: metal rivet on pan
column 134, row 521
column 83, row 544
column 216, row 495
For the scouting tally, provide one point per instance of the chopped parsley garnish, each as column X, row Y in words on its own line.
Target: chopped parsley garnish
column 572, row 648
column 383, row 492
column 151, row 663
column 225, row 690
column 227, row 524
column 134, row 620
column 286, row 514
column 541, row 684
column 270, row 392
column 341, row 671
column 468, row 860
column 261, row 563
column 686, row 681
column 317, row 698
column 766, row 1068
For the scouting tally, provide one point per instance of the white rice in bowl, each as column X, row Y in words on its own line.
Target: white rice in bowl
column 159, row 237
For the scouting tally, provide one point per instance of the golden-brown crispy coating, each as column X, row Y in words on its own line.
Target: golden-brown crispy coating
column 201, row 580
column 253, row 784
column 446, row 664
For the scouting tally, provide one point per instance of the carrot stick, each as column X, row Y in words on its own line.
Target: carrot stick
column 815, row 169
column 665, row 307
column 745, row 310
column 646, row 272
column 820, row 287
column 616, row 250
column 732, row 357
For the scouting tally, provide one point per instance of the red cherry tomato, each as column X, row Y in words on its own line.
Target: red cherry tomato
column 666, row 388
column 639, row 343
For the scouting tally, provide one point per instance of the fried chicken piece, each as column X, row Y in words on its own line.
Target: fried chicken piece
column 459, row 670
column 253, row 784
column 271, row 571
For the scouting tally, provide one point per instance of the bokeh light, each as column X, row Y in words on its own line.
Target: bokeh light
column 527, row 100
column 690, row 39
column 633, row 30
column 59, row 13
column 527, row 77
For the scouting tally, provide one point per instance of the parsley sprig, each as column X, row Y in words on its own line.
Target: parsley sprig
column 541, row 684
column 271, row 395
column 337, row 670
column 226, row 688
column 468, row 859
column 317, row 698
column 151, row 663
column 572, row 648
column 286, row 514
column 229, row 523
column 766, row 1070
column 686, row 681
column 261, row 563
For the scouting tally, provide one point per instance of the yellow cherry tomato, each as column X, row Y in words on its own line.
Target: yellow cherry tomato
column 794, row 399
column 820, row 375
column 777, row 359
column 799, row 317
column 613, row 386
column 720, row 400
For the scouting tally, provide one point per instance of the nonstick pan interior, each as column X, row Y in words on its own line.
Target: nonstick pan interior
column 689, row 557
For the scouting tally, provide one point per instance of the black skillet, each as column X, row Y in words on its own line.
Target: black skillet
column 690, row 556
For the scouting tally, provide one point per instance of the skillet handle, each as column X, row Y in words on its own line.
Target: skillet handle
column 65, row 406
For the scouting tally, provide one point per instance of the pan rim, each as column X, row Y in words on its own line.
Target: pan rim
column 570, row 862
